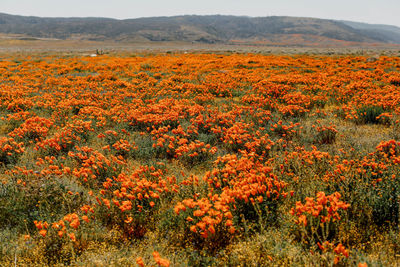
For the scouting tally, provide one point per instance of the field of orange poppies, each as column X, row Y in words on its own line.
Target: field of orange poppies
column 199, row 159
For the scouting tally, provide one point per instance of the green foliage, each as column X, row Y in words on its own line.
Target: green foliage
column 39, row 199
column 325, row 136
column 384, row 199
column 369, row 114
column 258, row 215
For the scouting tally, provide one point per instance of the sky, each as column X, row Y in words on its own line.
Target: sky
column 369, row 11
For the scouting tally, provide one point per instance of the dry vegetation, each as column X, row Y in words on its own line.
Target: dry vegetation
column 199, row 159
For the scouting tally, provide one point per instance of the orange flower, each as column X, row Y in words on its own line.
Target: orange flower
column 198, row 213
column 302, row 220
column 160, row 261
column 43, row 232
column 60, row 234
column 211, row 229
column 231, row 230
column 193, row 228
column 201, row 225
column 128, row 220
column 75, row 223
column 85, row 218
column 72, row 237
column 340, row 249
column 140, row 261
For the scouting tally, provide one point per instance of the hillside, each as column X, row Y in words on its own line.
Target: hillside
column 386, row 32
column 203, row 29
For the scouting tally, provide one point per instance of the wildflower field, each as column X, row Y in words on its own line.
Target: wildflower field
column 199, row 159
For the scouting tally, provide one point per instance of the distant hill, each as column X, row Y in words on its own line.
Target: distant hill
column 203, row 29
column 388, row 33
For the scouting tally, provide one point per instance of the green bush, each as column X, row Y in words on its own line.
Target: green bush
column 326, row 135
column 21, row 204
column 384, row 199
column 369, row 114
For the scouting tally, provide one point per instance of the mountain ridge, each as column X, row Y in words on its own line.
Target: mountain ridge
column 202, row 29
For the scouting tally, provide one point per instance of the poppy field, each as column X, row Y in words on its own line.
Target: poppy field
column 199, row 159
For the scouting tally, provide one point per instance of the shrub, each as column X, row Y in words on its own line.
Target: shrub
column 325, row 134
column 36, row 199
column 369, row 114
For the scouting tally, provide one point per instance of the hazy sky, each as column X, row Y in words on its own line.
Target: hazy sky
column 370, row 11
